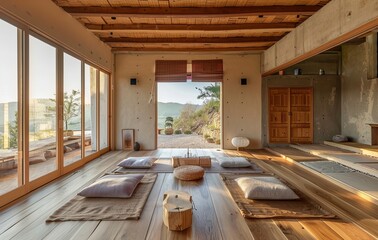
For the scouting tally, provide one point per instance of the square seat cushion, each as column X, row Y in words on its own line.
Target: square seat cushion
column 267, row 188
column 137, row 162
column 230, row 162
column 113, row 186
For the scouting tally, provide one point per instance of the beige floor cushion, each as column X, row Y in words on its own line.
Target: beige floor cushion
column 137, row 162
column 189, row 172
column 113, row 186
column 268, row 188
column 229, row 162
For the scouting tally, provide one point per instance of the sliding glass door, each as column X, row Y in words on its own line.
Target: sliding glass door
column 104, row 112
column 42, row 108
column 90, row 93
column 10, row 142
column 72, row 130
column 54, row 111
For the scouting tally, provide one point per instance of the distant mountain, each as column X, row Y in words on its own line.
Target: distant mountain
column 170, row 109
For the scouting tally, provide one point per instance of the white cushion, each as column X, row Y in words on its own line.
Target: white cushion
column 137, row 162
column 113, row 186
column 233, row 162
column 340, row 138
column 265, row 188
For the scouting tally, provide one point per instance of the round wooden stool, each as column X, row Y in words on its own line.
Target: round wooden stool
column 189, row 172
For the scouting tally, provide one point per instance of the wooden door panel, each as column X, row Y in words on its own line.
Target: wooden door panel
column 301, row 130
column 300, row 117
column 279, row 134
column 290, row 115
column 278, row 115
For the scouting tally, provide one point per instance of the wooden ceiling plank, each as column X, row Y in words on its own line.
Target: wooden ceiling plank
column 191, row 40
column 190, row 45
column 191, row 27
column 192, row 12
column 170, row 49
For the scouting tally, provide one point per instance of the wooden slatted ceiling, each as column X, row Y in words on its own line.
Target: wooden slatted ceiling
column 190, row 25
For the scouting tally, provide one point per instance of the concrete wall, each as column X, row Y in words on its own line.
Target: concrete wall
column 359, row 92
column 329, row 62
column 241, row 104
column 335, row 22
column 45, row 17
column 327, row 102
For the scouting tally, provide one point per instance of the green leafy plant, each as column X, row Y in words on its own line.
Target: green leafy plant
column 168, row 122
column 13, row 132
column 187, row 132
column 1, row 141
column 71, row 107
column 168, row 126
column 178, row 131
column 212, row 92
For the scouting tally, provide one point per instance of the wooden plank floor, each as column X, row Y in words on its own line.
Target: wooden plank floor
column 216, row 215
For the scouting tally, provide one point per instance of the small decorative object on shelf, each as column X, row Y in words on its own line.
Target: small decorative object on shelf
column 281, row 72
column 321, row 72
column 136, row 146
column 297, row 71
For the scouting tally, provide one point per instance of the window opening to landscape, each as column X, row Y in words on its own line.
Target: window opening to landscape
column 189, row 115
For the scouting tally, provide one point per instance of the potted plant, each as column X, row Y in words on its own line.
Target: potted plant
column 168, row 126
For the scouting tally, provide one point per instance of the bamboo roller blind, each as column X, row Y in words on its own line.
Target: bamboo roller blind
column 176, row 70
column 170, row 70
column 207, row 70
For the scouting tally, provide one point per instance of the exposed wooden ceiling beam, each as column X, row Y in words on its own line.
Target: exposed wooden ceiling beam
column 192, row 40
column 192, row 27
column 191, row 12
column 220, row 49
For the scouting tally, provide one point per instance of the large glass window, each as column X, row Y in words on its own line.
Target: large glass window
column 71, row 109
column 90, row 110
column 10, row 145
column 104, row 95
column 46, row 93
column 42, row 108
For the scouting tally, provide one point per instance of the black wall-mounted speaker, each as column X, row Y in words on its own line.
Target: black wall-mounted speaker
column 133, row 81
column 243, row 81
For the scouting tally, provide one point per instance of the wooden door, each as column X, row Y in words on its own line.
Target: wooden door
column 301, row 130
column 278, row 115
column 290, row 115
